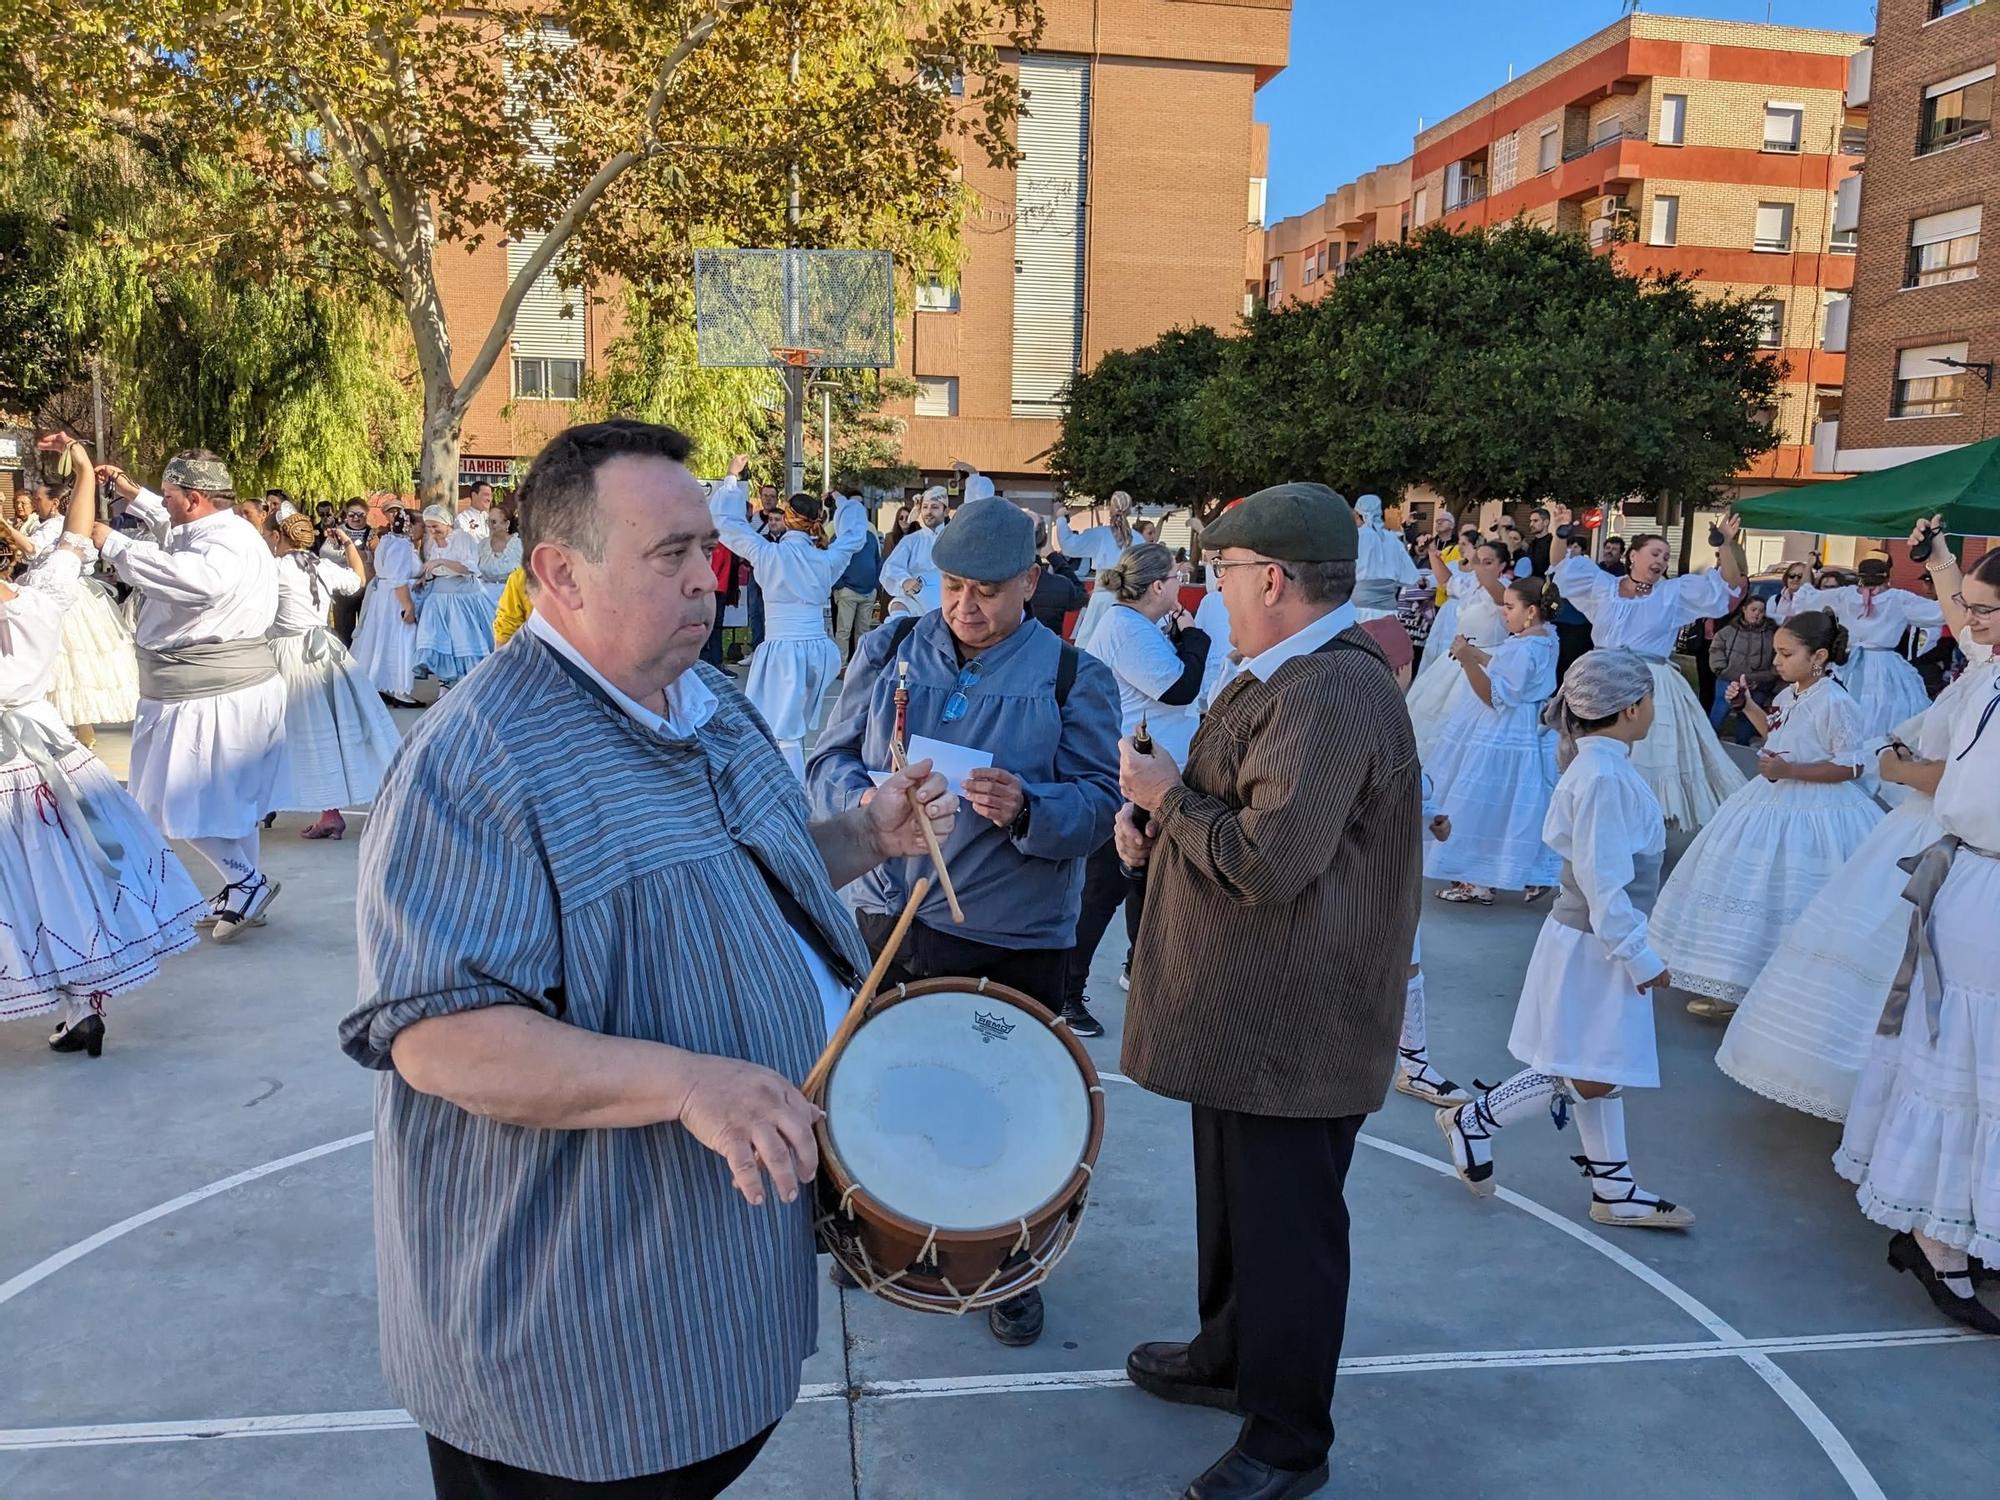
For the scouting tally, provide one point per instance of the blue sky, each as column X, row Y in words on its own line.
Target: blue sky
column 1363, row 71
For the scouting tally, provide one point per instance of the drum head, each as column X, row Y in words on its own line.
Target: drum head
column 959, row 1110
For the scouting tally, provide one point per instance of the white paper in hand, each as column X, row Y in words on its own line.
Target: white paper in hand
column 950, row 761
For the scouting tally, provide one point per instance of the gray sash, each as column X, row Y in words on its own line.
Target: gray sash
column 204, row 671
column 43, row 748
column 1573, row 911
column 1376, row 593
column 1648, row 656
column 1927, row 869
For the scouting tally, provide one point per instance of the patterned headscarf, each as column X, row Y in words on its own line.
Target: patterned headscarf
column 1370, row 509
column 1599, row 684
column 199, row 471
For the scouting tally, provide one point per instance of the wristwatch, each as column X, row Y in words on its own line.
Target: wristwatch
column 1018, row 829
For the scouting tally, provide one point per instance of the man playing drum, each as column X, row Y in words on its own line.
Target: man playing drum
column 1291, row 836
column 588, row 1081
column 985, row 674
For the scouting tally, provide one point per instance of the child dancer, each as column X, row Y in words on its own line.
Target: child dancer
column 1584, row 1026
column 1480, row 624
column 1885, row 686
column 1779, row 838
column 1494, row 761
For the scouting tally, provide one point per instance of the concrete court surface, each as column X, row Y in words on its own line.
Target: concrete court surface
column 187, row 1285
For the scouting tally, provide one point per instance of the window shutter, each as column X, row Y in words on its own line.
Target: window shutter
column 1050, row 187
column 1922, row 363
column 1935, row 228
column 550, row 322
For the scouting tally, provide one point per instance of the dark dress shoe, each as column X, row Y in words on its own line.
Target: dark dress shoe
column 1017, row 1322
column 1238, row 1476
column 1905, row 1254
column 86, row 1036
column 1162, row 1370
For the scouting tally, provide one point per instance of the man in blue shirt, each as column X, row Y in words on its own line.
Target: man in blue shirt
column 854, row 590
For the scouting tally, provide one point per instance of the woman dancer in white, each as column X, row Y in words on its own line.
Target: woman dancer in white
column 1777, row 840
column 798, row 661
column 1481, row 625
column 499, row 554
column 385, row 643
column 97, row 671
column 1922, row 1143
column 1584, row 1026
column 1885, row 685
column 1804, row 1029
column 1100, row 547
column 91, row 897
column 454, row 617
column 339, row 739
column 1494, row 761
column 1383, row 568
column 1445, row 558
column 1682, row 760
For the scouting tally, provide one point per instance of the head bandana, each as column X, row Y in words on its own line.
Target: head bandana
column 436, row 515
column 1599, row 684
column 209, row 475
column 1370, row 510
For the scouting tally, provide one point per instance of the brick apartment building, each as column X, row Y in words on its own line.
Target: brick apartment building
column 1138, row 208
column 1709, row 147
column 1925, row 327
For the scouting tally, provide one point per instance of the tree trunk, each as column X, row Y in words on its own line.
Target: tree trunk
column 444, row 403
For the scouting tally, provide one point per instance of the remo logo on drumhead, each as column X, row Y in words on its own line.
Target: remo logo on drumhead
column 991, row 1028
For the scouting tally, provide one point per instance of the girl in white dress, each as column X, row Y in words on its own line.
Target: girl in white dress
column 91, row 897
column 339, row 739
column 1481, row 624
column 1584, row 1026
column 1922, row 1143
column 1494, row 762
column 385, row 643
column 1885, row 685
column 499, row 554
column 1804, row 1029
column 1682, row 760
column 97, row 671
column 454, row 617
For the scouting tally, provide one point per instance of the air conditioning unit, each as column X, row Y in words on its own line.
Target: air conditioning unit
column 1610, row 206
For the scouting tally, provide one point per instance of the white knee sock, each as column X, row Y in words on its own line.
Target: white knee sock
column 1414, row 1038
column 235, row 858
column 1526, row 1093
column 1600, row 1130
column 1950, row 1262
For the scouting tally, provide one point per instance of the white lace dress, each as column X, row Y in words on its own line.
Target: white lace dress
column 1494, row 769
column 1750, row 873
column 385, row 647
column 339, row 739
column 495, row 568
column 1885, row 686
column 454, row 616
column 1441, row 686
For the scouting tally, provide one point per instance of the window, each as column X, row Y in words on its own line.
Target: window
column 1956, row 111
column 1942, row 8
column 1258, row 186
column 1666, row 227
column 1274, row 278
column 542, row 379
column 1944, row 247
column 1774, row 226
column 1846, row 241
column 1929, row 382
column 935, row 296
column 1784, row 126
column 1833, row 323
column 937, row 395
column 1505, row 151
column 1422, row 216
column 1550, row 151
column 1673, row 119
column 1608, row 129
column 1770, row 315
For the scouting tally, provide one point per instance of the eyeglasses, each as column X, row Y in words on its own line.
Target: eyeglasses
column 1222, row 564
column 1977, row 611
column 956, row 705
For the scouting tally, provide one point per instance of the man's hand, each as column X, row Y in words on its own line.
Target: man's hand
column 755, row 1121
column 1441, row 828
column 1732, row 527
column 738, row 465
column 1658, row 982
column 1559, row 514
column 893, row 805
column 117, row 479
column 1146, row 779
column 54, row 442
column 1134, row 835
column 98, row 532
column 995, row 795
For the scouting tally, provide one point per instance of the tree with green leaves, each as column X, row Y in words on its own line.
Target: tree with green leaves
column 611, row 137
column 1129, row 422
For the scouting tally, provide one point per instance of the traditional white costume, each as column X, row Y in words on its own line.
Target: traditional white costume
column 1804, row 1029
column 910, row 559
column 1441, row 686
column 97, row 672
column 385, row 646
column 1495, row 770
column 797, row 662
column 454, row 615
column 1096, row 548
column 1682, row 760
column 1886, row 687
column 495, row 568
column 1922, row 1142
column 91, row 897
column 339, row 739
column 472, row 521
column 1768, row 851
column 1383, row 567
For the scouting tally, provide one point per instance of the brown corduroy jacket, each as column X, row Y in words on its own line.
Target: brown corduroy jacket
column 1283, row 894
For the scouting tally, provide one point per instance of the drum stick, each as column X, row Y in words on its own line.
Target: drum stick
column 900, row 760
column 865, row 996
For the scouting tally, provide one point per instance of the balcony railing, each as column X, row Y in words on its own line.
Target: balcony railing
column 1854, row 140
column 1467, row 196
column 1620, row 134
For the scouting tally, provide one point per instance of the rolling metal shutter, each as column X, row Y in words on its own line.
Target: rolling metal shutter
column 540, row 327
column 1050, row 188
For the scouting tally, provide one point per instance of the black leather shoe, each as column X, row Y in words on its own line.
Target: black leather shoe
column 1238, row 1476
column 86, row 1036
column 1905, row 1254
column 1162, row 1370
column 1017, row 1322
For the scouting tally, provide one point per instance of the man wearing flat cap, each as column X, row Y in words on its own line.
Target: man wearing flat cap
column 1282, row 887
column 985, row 674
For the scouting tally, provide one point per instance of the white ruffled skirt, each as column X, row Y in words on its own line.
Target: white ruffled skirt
column 1439, row 691
column 1885, row 688
column 788, row 682
column 97, row 672
column 67, row 924
column 1682, row 759
column 1806, row 1025
column 1749, row 875
column 1581, row 1017
column 1922, row 1143
column 454, row 628
column 206, row 767
column 1494, row 773
column 384, row 647
column 339, row 739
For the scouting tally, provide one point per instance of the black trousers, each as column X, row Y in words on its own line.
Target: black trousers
column 1572, row 641
column 1038, row 973
column 457, row 1475
column 1271, row 1233
column 1104, row 885
column 346, row 617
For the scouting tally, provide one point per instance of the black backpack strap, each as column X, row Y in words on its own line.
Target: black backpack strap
column 1066, row 665
column 900, row 629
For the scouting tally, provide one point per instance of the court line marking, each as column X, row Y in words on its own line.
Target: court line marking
column 114, row 1434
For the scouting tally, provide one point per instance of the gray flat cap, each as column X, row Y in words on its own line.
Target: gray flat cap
column 988, row 541
column 1289, row 522
column 192, row 472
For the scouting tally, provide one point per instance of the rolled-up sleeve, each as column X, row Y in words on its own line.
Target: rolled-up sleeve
column 456, row 909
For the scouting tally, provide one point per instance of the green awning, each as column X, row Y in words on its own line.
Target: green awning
column 1962, row 484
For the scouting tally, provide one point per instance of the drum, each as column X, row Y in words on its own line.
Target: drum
column 962, row 1125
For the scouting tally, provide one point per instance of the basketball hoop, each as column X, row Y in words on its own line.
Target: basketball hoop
column 795, row 359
